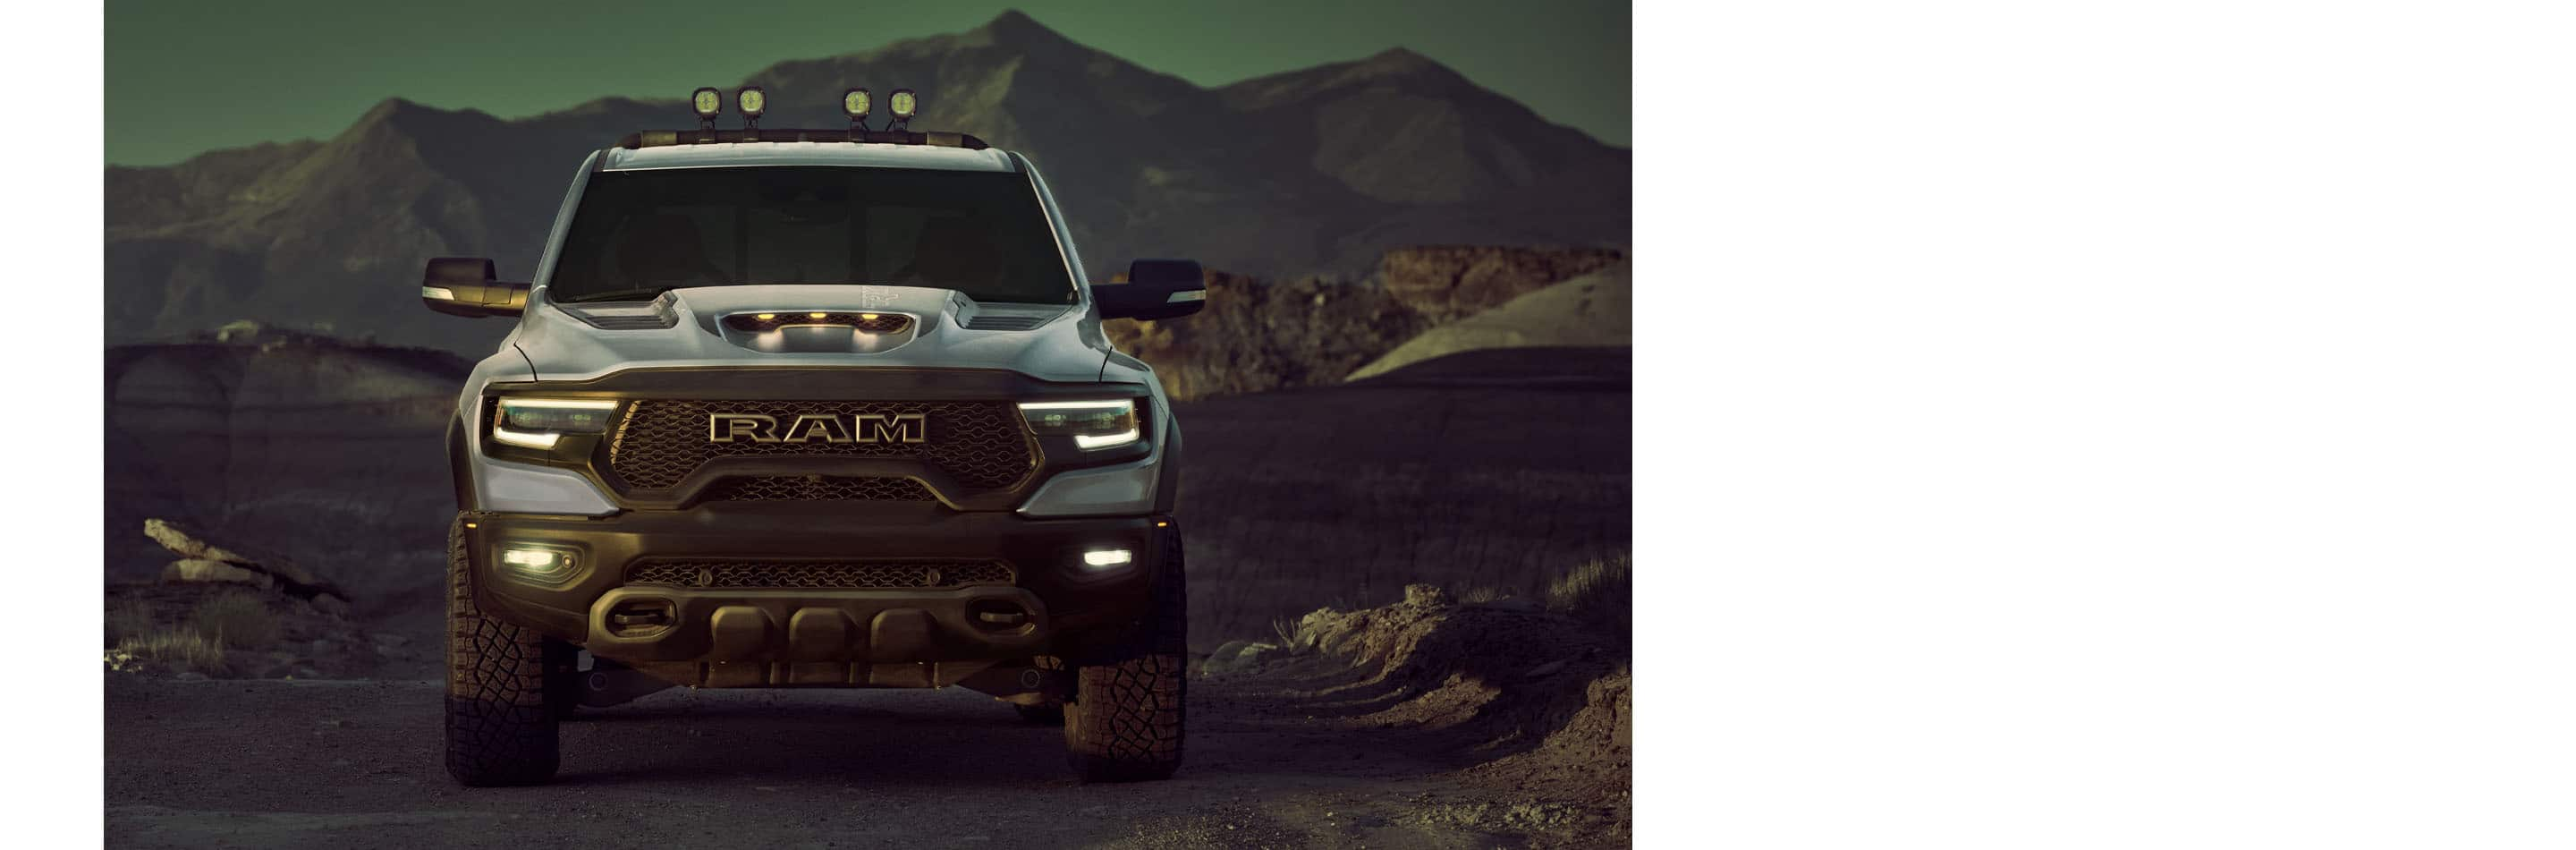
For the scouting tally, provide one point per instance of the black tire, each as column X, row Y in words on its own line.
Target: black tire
column 1049, row 714
column 1126, row 718
column 500, row 728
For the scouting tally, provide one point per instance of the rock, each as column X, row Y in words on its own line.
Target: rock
column 201, row 569
column 1426, row 595
column 1450, row 282
column 1261, row 653
column 1545, row 670
column 204, row 561
column 1227, row 658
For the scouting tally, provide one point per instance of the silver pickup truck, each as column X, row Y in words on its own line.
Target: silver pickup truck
column 813, row 408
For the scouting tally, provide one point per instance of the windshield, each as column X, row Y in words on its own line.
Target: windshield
column 638, row 233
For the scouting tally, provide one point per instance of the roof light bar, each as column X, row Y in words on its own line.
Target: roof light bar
column 857, row 103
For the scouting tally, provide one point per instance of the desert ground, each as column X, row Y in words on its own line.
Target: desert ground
column 1450, row 701
column 1305, row 751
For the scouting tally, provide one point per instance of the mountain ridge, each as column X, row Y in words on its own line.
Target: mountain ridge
column 1317, row 170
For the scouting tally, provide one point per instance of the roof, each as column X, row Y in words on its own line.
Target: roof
column 806, row 153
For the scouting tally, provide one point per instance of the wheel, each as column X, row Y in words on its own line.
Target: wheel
column 500, row 728
column 1050, row 714
column 1124, row 721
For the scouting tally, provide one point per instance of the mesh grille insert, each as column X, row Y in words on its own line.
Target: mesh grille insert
column 981, row 444
column 817, row 488
column 835, row 575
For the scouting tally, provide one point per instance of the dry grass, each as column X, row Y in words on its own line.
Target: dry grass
column 240, row 620
column 1597, row 593
column 184, row 649
column 127, row 618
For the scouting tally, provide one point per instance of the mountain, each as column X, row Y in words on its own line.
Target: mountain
column 1312, row 171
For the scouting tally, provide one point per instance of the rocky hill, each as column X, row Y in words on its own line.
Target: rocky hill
column 323, row 450
column 1280, row 177
column 1256, row 336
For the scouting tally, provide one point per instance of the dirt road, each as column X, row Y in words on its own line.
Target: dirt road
column 271, row 763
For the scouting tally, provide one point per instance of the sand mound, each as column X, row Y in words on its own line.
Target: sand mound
column 1532, row 699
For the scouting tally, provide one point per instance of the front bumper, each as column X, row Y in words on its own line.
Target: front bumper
column 1052, row 606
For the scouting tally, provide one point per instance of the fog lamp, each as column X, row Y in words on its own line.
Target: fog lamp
column 751, row 101
column 707, row 102
column 541, row 564
column 1103, row 559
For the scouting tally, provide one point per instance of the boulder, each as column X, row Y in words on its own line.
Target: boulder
column 201, row 560
column 206, row 569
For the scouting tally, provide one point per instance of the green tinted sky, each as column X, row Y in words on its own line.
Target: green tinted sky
column 187, row 77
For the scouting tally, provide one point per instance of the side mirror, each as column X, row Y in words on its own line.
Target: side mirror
column 1155, row 289
column 467, row 286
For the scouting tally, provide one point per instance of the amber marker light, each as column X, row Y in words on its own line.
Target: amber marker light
column 767, row 316
column 816, row 315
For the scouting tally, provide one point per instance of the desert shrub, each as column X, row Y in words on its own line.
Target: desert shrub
column 240, row 620
column 1483, row 593
column 181, row 648
column 1596, row 593
column 128, row 618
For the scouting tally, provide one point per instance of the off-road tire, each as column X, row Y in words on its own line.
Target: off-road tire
column 500, row 725
column 1125, row 720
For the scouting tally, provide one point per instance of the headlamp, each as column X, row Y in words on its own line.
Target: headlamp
column 538, row 423
column 1092, row 424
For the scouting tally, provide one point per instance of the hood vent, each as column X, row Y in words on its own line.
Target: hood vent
column 818, row 331
column 995, row 322
column 653, row 315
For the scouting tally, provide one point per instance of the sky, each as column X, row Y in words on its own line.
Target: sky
column 188, row 77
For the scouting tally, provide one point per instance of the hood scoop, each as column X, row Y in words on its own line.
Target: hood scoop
column 818, row 331
column 657, row 314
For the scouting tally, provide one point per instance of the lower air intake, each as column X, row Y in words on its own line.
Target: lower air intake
column 824, row 575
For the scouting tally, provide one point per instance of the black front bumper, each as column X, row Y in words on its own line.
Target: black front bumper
column 821, row 636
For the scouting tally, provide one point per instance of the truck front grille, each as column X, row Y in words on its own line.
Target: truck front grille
column 980, row 444
column 817, row 488
column 823, row 575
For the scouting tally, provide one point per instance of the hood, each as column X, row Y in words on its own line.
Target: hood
column 714, row 326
